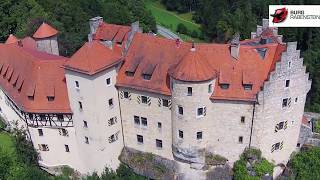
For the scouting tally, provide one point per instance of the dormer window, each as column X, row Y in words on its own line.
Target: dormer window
column 224, row 86
column 31, row 98
column 148, row 71
column 50, row 98
column 247, row 87
column 146, row 76
column 128, row 73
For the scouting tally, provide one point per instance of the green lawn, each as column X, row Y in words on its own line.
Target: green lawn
column 171, row 20
column 6, row 142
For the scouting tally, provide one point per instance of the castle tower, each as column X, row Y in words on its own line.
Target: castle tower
column 193, row 80
column 46, row 39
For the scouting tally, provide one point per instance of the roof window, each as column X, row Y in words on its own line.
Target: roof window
column 262, row 52
column 147, row 71
column 247, row 87
column 133, row 67
column 224, row 86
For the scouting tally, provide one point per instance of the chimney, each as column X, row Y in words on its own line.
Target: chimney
column 94, row 24
column 134, row 29
column 265, row 24
column 235, row 46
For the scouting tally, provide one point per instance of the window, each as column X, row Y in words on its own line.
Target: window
column 40, row 131
column 128, row 73
column 31, row 98
column 112, row 121
column 63, row 132
column 180, row 134
column 286, row 102
column 201, row 112
column 165, row 102
column 140, row 139
column 60, row 117
column 110, row 101
column 136, row 120
column 296, row 100
column 289, row 64
column 144, row 99
column 298, row 144
column 159, row 143
column 67, row 148
column 287, row 83
column 126, row 94
column 85, row 124
column 247, row 87
column 50, row 98
column 86, row 140
column 113, row 137
column 224, row 86
column 210, row 88
column 189, row 91
column 180, row 110
column 80, row 105
column 277, row 146
column 281, row 125
column 144, row 121
column 43, row 147
column 146, row 76
column 240, row 139
column 243, row 119
column 108, row 81
column 77, row 84
column 159, row 125
column 199, row 135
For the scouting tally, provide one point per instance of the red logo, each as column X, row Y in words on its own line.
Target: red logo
column 279, row 15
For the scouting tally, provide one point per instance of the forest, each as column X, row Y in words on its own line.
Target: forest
column 218, row 20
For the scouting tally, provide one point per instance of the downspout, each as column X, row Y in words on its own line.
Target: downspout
column 124, row 144
column 251, row 130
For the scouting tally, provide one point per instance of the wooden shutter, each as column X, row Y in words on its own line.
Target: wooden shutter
column 281, row 145
column 139, row 99
column 129, row 95
column 285, row 125
column 169, row 104
column 149, row 101
column 204, row 111
column 159, row 102
column 121, row 94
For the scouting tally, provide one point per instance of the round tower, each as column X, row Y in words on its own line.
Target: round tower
column 46, row 39
column 193, row 81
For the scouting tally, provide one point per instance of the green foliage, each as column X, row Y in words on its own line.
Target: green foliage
column 306, row 164
column 263, row 167
column 122, row 173
column 24, row 149
column 251, row 158
column 181, row 28
column 5, row 163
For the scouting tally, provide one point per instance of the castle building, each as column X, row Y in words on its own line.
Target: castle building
column 124, row 88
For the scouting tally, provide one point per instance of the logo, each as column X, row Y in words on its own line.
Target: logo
column 279, row 15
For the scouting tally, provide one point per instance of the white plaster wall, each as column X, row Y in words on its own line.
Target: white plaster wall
column 221, row 126
column 154, row 114
column 94, row 95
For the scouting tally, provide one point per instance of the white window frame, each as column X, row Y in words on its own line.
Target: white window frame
column 200, row 116
column 110, row 81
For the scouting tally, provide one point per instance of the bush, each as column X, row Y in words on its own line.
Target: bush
column 181, row 28
column 5, row 163
column 194, row 34
column 214, row 159
column 263, row 167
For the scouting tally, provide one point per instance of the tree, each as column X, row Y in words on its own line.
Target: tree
column 5, row 163
column 181, row 28
column 306, row 164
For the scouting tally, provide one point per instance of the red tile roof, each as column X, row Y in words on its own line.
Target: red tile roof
column 29, row 43
column 110, row 32
column 11, row 39
column 29, row 72
column 45, row 31
column 193, row 67
column 255, row 62
column 93, row 57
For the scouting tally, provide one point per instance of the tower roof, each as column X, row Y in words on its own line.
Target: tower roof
column 93, row 57
column 193, row 67
column 45, row 31
column 11, row 39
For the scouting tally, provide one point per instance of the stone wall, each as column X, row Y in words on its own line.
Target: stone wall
column 48, row 45
column 270, row 110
